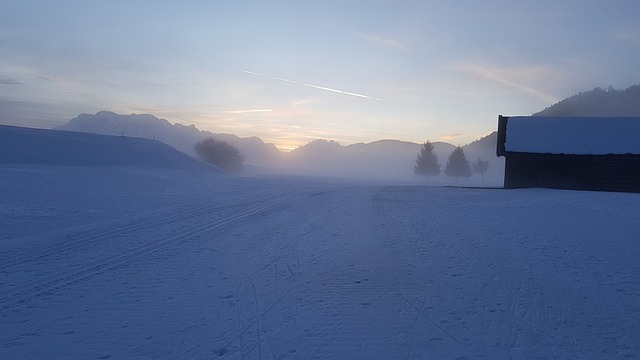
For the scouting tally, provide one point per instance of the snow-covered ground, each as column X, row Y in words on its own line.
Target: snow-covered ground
column 122, row 262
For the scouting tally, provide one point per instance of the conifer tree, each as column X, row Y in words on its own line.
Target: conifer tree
column 427, row 162
column 458, row 165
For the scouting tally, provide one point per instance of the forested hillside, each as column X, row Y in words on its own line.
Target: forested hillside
column 598, row 102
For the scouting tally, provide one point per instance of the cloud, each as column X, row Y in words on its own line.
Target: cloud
column 505, row 77
column 629, row 33
column 449, row 137
column 35, row 114
column 312, row 86
column 302, row 102
column 386, row 42
column 5, row 80
column 246, row 111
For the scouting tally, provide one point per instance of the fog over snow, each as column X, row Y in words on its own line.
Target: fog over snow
column 148, row 260
column 383, row 161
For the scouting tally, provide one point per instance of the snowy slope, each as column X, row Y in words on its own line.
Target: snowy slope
column 160, row 263
column 20, row 145
column 181, row 137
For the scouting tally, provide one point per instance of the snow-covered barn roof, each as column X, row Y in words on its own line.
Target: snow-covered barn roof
column 572, row 135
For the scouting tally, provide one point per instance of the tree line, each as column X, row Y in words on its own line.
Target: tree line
column 457, row 165
column 228, row 158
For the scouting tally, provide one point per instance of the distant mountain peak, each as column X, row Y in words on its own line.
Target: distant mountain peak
column 318, row 144
column 181, row 137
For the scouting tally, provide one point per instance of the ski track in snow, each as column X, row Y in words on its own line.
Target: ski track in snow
column 84, row 272
column 327, row 271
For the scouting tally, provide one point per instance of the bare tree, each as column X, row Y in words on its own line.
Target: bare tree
column 481, row 166
column 221, row 154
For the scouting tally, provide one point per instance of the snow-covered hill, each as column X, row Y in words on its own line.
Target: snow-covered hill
column 181, row 137
column 140, row 262
column 20, row 145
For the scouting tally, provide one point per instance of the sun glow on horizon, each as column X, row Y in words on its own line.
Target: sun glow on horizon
column 311, row 70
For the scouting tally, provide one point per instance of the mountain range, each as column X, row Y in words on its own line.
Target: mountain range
column 384, row 159
column 179, row 136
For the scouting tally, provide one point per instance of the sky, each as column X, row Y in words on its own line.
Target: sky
column 291, row 72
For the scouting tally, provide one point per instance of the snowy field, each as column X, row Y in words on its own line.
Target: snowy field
column 122, row 262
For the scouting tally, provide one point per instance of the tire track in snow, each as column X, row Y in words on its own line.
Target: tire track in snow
column 52, row 285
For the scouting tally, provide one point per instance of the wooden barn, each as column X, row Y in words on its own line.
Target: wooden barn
column 581, row 153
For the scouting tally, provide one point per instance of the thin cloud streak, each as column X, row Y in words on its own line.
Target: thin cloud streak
column 449, row 137
column 5, row 80
column 246, row 111
column 629, row 36
column 496, row 77
column 312, row 86
column 387, row 42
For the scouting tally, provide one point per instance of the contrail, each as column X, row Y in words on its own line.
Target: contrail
column 494, row 75
column 311, row 85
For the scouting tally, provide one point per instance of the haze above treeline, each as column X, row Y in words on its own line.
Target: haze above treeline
column 380, row 159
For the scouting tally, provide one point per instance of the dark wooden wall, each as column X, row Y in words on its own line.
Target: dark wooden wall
column 502, row 135
column 579, row 172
